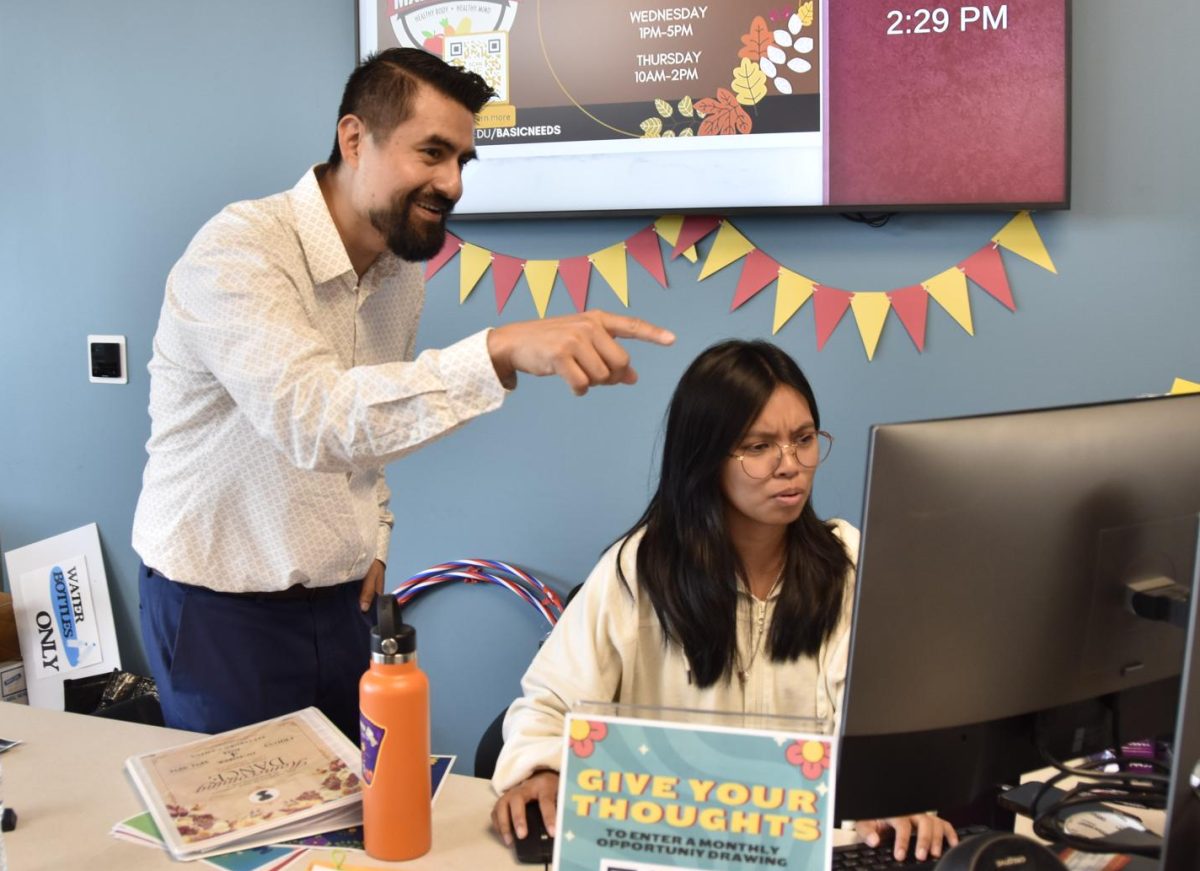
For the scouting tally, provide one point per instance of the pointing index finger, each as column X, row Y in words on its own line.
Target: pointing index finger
column 625, row 327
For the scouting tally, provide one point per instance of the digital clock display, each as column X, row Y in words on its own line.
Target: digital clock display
column 953, row 101
column 939, row 19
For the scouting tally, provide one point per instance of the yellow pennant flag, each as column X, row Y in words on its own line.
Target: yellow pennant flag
column 792, row 291
column 870, row 311
column 949, row 288
column 1182, row 385
column 610, row 263
column 668, row 226
column 730, row 245
column 473, row 261
column 1021, row 237
column 540, row 276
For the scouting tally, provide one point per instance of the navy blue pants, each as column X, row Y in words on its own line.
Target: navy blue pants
column 222, row 660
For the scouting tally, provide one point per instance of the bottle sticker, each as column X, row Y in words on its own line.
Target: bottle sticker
column 372, row 736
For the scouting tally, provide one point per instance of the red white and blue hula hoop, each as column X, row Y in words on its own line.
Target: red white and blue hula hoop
column 480, row 571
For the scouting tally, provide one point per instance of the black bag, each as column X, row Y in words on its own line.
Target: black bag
column 117, row 695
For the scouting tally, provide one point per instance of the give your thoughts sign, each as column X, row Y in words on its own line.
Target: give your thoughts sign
column 639, row 795
column 58, row 600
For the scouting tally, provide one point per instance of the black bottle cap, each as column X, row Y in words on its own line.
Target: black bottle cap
column 391, row 636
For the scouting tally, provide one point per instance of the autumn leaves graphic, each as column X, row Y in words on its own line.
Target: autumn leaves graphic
column 772, row 57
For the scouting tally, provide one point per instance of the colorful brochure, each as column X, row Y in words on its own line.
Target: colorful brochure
column 274, row 781
column 141, row 829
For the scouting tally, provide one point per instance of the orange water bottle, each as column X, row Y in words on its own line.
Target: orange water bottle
column 393, row 698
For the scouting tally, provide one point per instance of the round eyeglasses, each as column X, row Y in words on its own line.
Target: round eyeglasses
column 762, row 459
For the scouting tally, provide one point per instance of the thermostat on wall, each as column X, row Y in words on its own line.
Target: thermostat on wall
column 106, row 360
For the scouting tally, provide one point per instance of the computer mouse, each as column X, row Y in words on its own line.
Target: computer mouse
column 537, row 847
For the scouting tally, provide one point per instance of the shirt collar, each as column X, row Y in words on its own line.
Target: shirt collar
column 322, row 244
column 323, row 249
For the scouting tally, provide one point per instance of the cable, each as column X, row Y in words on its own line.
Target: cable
column 475, row 571
column 1050, row 825
column 1127, row 788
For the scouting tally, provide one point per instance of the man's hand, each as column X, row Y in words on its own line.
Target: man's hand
column 581, row 349
column 929, row 829
column 508, row 814
column 372, row 585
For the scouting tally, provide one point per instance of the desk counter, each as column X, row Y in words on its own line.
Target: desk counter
column 67, row 783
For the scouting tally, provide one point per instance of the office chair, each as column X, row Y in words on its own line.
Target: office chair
column 487, row 751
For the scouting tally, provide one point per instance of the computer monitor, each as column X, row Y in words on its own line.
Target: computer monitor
column 990, row 610
column 1181, row 835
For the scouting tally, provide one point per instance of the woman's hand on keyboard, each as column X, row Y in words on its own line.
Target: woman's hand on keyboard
column 931, row 832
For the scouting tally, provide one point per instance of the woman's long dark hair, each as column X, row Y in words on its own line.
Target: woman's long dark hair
column 686, row 562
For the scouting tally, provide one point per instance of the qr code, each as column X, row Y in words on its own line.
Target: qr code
column 483, row 53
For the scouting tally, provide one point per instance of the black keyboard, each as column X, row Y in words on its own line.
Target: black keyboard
column 860, row 857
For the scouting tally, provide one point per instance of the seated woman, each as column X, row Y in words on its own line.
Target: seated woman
column 728, row 594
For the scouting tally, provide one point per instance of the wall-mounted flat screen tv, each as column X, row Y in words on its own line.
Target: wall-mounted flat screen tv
column 654, row 106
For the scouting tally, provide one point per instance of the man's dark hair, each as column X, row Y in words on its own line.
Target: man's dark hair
column 381, row 89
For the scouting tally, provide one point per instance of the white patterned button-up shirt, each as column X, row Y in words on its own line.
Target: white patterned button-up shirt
column 280, row 387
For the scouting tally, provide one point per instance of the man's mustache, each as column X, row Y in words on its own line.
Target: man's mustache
column 432, row 200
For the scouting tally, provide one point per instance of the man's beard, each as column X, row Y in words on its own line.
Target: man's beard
column 408, row 237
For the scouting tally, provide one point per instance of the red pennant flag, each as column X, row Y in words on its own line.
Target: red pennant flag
column 911, row 305
column 576, row 272
column 986, row 269
column 758, row 270
column 829, row 304
column 644, row 248
column 442, row 257
column 695, row 228
column 505, row 272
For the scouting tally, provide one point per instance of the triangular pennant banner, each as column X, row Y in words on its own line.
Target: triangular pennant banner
column 729, row 246
column 792, row 291
column 986, row 269
column 540, row 276
column 949, row 288
column 911, row 304
column 870, row 311
column 473, row 262
column 449, row 249
column 575, row 273
column 693, row 229
column 505, row 272
column 1021, row 237
column 610, row 263
column 644, row 248
column 668, row 226
column 829, row 304
column 758, row 271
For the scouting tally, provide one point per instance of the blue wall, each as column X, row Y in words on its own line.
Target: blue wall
column 128, row 124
